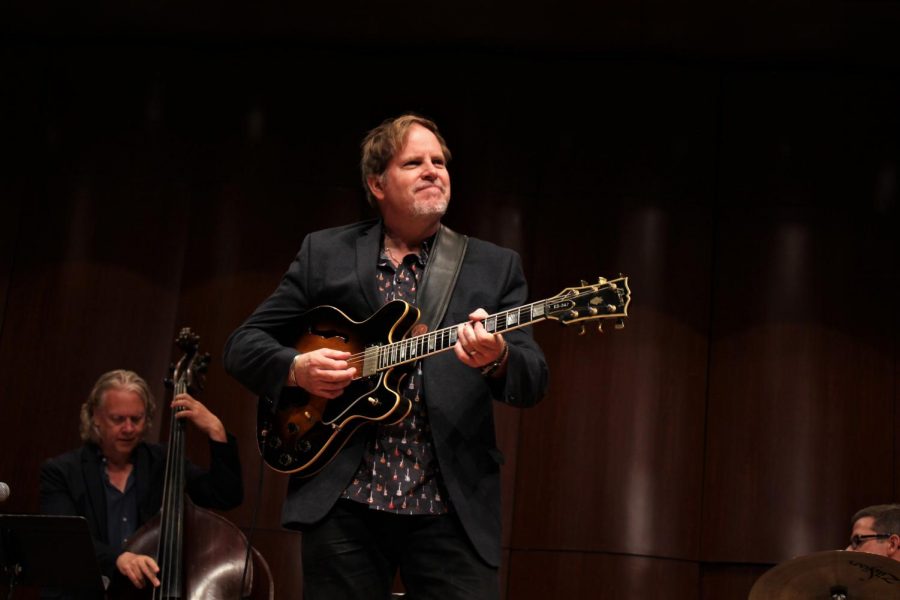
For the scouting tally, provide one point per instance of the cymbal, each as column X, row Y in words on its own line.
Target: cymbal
column 824, row 575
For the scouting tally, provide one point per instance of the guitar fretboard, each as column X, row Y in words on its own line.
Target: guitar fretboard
column 381, row 358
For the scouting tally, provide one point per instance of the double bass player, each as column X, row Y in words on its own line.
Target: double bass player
column 114, row 479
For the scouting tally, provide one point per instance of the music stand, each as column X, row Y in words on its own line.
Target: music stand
column 48, row 551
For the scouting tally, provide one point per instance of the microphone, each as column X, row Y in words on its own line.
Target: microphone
column 4, row 491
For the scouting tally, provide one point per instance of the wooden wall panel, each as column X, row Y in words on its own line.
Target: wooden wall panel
column 95, row 204
column 797, row 383
column 896, row 491
column 609, row 462
column 15, row 190
column 803, row 336
column 281, row 549
column 740, row 414
column 541, row 575
column 9, row 227
column 719, row 581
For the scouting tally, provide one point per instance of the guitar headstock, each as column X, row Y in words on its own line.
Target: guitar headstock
column 191, row 368
column 606, row 299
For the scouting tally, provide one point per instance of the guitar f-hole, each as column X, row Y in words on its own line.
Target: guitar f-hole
column 329, row 334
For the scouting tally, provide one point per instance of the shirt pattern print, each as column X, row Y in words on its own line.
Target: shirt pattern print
column 399, row 471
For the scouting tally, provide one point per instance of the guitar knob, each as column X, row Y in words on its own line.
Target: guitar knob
column 274, row 442
column 292, row 427
column 285, row 459
column 304, row 446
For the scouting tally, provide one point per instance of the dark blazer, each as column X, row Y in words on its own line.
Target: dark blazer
column 337, row 267
column 71, row 484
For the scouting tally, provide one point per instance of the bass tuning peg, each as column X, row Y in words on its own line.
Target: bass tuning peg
column 203, row 363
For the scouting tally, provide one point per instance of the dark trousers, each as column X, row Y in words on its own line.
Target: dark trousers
column 355, row 552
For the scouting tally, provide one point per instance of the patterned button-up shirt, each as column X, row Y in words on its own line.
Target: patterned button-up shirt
column 399, row 471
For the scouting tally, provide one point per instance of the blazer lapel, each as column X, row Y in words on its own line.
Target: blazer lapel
column 95, row 488
column 367, row 247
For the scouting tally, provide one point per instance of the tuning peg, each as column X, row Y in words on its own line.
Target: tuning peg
column 583, row 283
column 620, row 323
column 601, row 280
column 202, row 363
column 600, row 327
column 582, row 331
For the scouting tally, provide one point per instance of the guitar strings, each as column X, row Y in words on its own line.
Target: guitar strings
column 359, row 358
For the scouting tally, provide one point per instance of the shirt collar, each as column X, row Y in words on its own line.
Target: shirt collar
column 421, row 257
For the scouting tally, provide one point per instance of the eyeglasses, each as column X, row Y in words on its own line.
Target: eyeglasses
column 858, row 540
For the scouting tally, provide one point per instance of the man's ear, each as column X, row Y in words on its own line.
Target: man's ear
column 375, row 186
column 894, row 546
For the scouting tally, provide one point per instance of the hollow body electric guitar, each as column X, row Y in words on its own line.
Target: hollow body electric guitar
column 301, row 433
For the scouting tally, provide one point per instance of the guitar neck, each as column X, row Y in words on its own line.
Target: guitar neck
column 603, row 300
column 388, row 356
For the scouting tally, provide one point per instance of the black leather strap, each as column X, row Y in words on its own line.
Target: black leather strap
column 440, row 276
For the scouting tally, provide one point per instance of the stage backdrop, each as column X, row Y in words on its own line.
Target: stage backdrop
column 746, row 410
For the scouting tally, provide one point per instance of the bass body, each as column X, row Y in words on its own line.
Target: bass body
column 200, row 554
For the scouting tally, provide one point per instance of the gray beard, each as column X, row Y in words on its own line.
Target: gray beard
column 426, row 209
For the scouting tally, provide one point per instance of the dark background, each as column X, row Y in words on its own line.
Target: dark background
column 163, row 161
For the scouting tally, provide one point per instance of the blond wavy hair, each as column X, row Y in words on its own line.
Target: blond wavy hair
column 119, row 379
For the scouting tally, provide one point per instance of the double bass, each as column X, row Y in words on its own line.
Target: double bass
column 201, row 555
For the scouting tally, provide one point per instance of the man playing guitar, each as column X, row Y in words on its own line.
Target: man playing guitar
column 419, row 490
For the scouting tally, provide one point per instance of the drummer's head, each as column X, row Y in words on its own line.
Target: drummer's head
column 876, row 530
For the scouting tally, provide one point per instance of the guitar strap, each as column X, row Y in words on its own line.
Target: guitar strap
column 440, row 276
